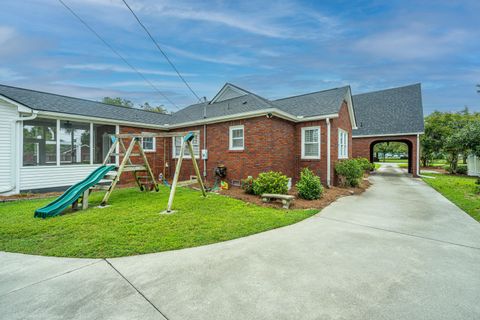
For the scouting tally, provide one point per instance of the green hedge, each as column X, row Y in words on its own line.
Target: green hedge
column 270, row 182
column 349, row 172
column 309, row 186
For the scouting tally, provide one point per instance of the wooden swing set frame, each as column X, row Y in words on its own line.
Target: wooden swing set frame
column 146, row 182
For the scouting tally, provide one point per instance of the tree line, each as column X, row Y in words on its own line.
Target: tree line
column 450, row 135
column 117, row 101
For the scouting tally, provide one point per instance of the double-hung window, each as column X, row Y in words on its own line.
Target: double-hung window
column 148, row 144
column 311, row 143
column 342, row 144
column 177, row 144
column 236, row 138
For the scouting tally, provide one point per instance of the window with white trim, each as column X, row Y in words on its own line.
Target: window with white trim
column 342, row 144
column 177, row 144
column 236, row 138
column 148, row 144
column 311, row 143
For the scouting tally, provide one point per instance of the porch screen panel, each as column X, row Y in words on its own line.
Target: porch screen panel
column 102, row 142
column 40, row 142
column 74, row 142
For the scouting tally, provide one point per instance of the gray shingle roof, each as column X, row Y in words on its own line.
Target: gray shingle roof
column 245, row 103
column 38, row 100
column 311, row 104
column 314, row 104
column 390, row 111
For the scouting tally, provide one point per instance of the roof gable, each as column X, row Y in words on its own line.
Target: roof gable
column 228, row 91
column 391, row 111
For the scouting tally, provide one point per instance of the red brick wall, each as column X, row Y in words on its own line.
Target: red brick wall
column 342, row 122
column 318, row 166
column 155, row 159
column 270, row 144
column 267, row 146
column 361, row 147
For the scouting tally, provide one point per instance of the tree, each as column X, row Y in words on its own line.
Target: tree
column 159, row 108
column 118, row 102
column 393, row 147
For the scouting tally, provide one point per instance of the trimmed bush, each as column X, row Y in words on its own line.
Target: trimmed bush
column 461, row 169
column 247, row 185
column 366, row 165
column 270, row 182
column 349, row 172
column 309, row 186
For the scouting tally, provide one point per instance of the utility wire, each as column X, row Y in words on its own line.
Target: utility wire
column 162, row 52
column 117, row 53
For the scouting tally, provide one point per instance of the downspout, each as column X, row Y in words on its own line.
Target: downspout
column 13, row 164
column 328, row 154
column 418, row 155
column 204, row 137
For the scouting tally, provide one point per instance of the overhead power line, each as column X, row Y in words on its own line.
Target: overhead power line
column 162, row 52
column 117, row 53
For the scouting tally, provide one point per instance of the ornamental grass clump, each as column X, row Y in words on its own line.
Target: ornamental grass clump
column 349, row 172
column 270, row 182
column 309, row 186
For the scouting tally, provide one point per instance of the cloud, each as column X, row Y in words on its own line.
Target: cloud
column 9, row 75
column 120, row 69
column 231, row 59
column 413, row 42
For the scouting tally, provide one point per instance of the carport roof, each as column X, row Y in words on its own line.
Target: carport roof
column 391, row 111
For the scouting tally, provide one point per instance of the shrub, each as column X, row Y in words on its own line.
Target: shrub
column 366, row 165
column 309, row 186
column 461, row 169
column 477, row 186
column 247, row 185
column 349, row 172
column 270, row 182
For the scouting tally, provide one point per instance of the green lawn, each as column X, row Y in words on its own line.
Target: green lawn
column 132, row 224
column 459, row 190
column 394, row 160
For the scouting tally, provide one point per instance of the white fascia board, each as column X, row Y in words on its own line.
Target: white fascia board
column 20, row 107
column 351, row 112
column 388, row 135
column 68, row 116
column 251, row 114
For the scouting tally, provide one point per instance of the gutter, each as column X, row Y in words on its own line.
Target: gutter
column 328, row 154
column 13, row 162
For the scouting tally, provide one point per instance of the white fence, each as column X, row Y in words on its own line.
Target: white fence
column 473, row 164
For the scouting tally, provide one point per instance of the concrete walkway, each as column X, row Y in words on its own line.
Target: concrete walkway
column 398, row 251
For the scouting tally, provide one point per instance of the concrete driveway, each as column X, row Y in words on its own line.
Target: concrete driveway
column 398, row 251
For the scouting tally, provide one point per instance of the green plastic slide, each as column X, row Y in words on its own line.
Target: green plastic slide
column 73, row 193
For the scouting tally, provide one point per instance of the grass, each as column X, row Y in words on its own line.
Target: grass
column 393, row 160
column 132, row 224
column 459, row 190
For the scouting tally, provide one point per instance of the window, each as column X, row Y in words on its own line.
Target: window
column 177, row 143
column 342, row 144
column 236, row 138
column 311, row 143
column 74, row 142
column 148, row 144
column 102, row 142
column 39, row 142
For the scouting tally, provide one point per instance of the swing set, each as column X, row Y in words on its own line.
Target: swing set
column 142, row 172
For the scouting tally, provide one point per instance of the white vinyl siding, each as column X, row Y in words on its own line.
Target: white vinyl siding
column 311, row 143
column 236, row 138
column 41, row 177
column 177, row 143
column 7, row 154
column 342, row 144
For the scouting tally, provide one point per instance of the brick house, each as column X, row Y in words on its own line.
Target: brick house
column 247, row 133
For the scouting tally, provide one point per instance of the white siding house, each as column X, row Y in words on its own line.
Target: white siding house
column 8, row 114
column 473, row 164
column 49, row 142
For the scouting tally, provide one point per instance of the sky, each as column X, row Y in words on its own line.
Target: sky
column 272, row 48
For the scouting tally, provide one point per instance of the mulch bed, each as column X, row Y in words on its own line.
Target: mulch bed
column 329, row 196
